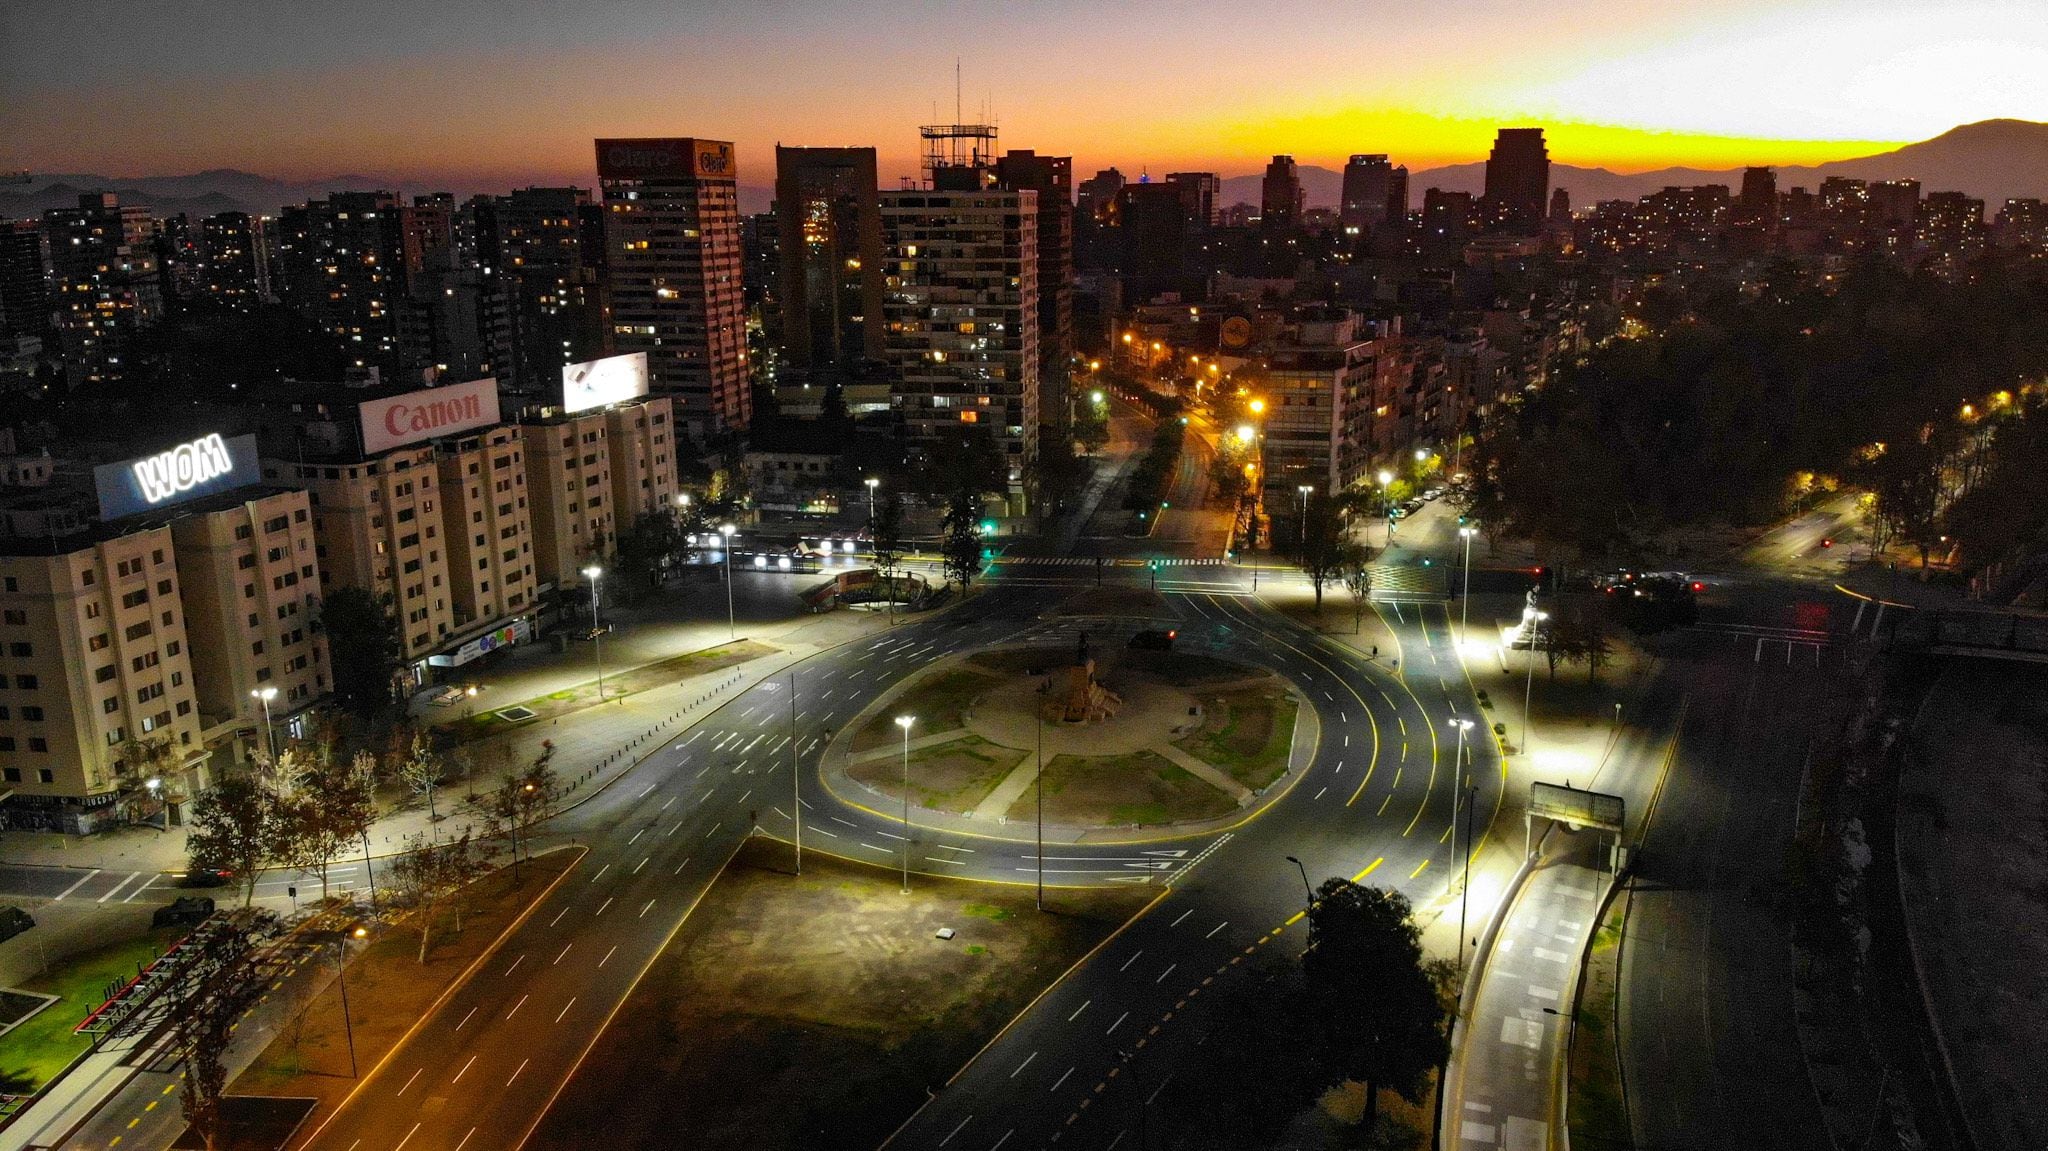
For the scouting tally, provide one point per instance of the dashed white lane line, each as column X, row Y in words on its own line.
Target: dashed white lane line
column 464, row 1071
column 600, row 873
column 954, row 1131
column 608, row 956
column 714, row 830
column 558, row 958
column 1183, row 915
column 514, row 967
column 1023, row 1065
column 602, row 906
column 641, row 864
column 645, row 910
column 517, row 1070
column 558, row 916
column 408, row 1082
column 1003, row 1140
column 408, row 1135
column 1132, row 959
column 1078, row 1011
column 1119, row 1022
column 1165, row 973
column 465, row 1018
column 517, row 1006
column 465, row 1140
column 1062, row 1079
column 636, row 837
column 565, row 1009
column 1217, row 928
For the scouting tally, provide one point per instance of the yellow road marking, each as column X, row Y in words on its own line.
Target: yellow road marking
column 1296, row 918
column 1419, row 870
column 1369, row 869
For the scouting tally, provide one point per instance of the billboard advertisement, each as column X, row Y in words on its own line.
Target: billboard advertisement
column 421, row 415
column 595, row 383
column 201, row 467
column 667, row 158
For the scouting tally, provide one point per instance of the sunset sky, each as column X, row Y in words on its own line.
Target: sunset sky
column 511, row 92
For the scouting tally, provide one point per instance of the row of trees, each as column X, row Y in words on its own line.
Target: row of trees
column 1148, row 483
column 1710, row 418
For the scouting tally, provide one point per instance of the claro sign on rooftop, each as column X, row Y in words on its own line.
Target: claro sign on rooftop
column 426, row 414
column 195, row 468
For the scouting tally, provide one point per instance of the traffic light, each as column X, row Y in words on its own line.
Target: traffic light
column 1427, row 562
column 1462, row 520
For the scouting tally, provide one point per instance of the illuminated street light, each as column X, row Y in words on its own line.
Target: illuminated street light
column 266, row 694
column 1464, row 793
column 1245, row 433
column 731, row 623
column 593, row 573
column 904, row 722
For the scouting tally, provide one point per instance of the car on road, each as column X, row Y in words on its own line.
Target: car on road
column 14, row 921
column 1154, row 639
column 205, row 877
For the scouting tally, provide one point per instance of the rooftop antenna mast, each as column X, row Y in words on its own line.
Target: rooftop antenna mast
column 957, row 145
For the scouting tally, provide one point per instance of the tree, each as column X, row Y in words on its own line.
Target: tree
column 962, row 546
column 229, row 984
column 643, row 551
column 885, row 536
column 1253, row 1073
column 234, row 826
column 144, row 759
column 427, row 875
column 1579, row 634
column 1357, row 574
column 421, row 774
column 1376, row 1016
column 1322, row 543
column 321, row 818
column 525, row 799
column 362, row 647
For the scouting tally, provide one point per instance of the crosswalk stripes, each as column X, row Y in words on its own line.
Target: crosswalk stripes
column 1406, row 583
column 1090, row 561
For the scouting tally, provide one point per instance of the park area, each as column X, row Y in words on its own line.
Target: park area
column 44, row 1042
column 814, row 1013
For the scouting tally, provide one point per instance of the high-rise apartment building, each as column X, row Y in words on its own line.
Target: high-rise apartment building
column 1095, row 197
column 248, row 568
column 341, row 264
column 1950, row 224
column 1282, row 200
column 1518, row 179
column 829, row 240
column 1758, row 199
column 535, row 255
column 672, row 273
column 1153, row 220
column 1894, row 203
column 233, row 260
column 491, row 574
column 1052, row 177
column 106, row 284
column 1199, row 192
column 1374, row 193
column 2023, row 223
column 961, row 308
column 24, row 280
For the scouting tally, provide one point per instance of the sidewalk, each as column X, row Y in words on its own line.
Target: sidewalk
column 589, row 745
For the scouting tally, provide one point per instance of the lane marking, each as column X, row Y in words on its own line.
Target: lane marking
column 515, row 966
column 607, row 956
column 1217, row 928
column 465, row 1019
column 464, row 1071
column 1078, row 1011
column 565, row 1009
column 1062, row 1079
column 516, row 1071
column 1023, row 1065
column 408, row 1083
column 518, row 1005
column 1118, row 1023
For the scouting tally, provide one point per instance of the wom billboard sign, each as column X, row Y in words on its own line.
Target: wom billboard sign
column 421, row 415
column 188, row 471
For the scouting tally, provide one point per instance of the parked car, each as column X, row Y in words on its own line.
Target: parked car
column 188, row 909
column 205, row 877
column 14, row 921
column 1153, row 639
column 1413, row 505
column 1433, row 494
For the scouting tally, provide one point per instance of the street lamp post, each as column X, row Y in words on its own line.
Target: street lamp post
column 348, row 1025
column 904, row 722
column 872, row 484
column 1309, row 893
column 731, row 622
column 1386, row 478
column 593, row 573
column 1463, row 793
column 266, row 694
column 155, row 786
column 1301, row 527
column 1530, row 619
column 1465, row 599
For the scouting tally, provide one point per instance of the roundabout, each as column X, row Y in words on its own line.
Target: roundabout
column 1118, row 744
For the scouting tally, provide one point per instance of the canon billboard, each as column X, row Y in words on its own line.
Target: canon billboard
column 425, row 414
column 670, row 158
column 595, row 383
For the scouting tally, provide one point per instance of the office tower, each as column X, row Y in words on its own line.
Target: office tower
column 1095, row 197
column 1397, row 194
column 1154, row 223
column 1367, row 198
column 1281, row 197
column 1199, row 192
column 234, row 266
column 106, row 283
column 1894, row 202
column 1517, row 179
column 1950, row 224
column 961, row 310
column 1759, row 192
column 1560, row 205
column 536, row 258
column 1052, row 177
column 24, row 280
column 341, row 266
column 672, row 273
column 427, row 231
column 829, row 240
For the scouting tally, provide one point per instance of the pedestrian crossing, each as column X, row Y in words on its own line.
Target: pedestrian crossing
column 1409, row 584
column 1105, row 561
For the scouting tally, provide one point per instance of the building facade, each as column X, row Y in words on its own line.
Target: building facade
column 829, row 244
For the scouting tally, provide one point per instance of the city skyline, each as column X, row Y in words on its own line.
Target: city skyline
column 512, row 99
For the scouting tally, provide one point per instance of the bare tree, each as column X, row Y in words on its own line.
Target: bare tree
column 421, row 773
column 228, row 986
column 524, row 800
column 427, row 876
column 1357, row 581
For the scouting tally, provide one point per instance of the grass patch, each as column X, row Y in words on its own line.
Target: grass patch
column 986, row 911
column 939, row 701
column 1141, row 787
column 45, row 1044
column 388, row 988
column 954, row 776
column 660, row 673
column 812, row 1013
column 1247, row 733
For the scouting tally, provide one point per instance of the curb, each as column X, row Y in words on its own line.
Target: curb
column 1469, row 993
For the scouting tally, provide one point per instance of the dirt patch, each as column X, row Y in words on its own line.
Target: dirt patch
column 938, row 701
column 813, row 1013
column 1184, row 670
column 952, row 776
column 388, row 988
column 1246, row 732
column 1140, row 788
column 1023, row 660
